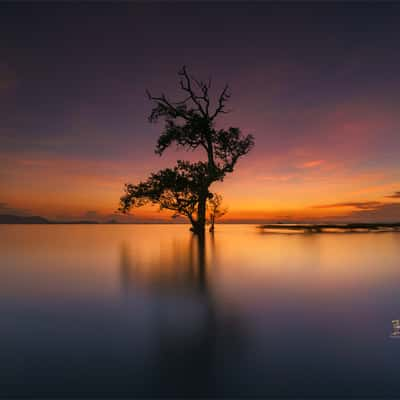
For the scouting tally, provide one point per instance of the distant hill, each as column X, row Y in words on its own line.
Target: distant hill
column 73, row 222
column 16, row 219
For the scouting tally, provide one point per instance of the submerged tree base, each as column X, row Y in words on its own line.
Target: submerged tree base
column 198, row 230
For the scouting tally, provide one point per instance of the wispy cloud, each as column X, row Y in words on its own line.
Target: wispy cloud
column 311, row 164
column 395, row 195
column 361, row 205
column 389, row 212
column 278, row 178
column 367, row 210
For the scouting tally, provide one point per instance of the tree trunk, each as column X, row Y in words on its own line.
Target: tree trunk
column 199, row 225
column 212, row 220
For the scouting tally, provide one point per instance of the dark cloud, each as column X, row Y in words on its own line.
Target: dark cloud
column 368, row 211
column 361, row 205
column 386, row 212
column 395, row 195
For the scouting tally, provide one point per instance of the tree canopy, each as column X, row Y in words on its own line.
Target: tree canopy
column 189, row 124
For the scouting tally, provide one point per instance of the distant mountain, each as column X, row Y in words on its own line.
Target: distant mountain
column 16, row 219
column 74, row 222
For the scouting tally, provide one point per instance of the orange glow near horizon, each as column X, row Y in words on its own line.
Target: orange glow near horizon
column 315, row 189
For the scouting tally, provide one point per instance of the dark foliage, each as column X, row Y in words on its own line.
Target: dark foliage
column 189, row 124
column 215, row 210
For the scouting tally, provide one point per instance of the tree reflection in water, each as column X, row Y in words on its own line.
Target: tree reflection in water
column 197, row 338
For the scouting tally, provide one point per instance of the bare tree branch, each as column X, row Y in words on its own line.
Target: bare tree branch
column 188, row 88
column 223, row 98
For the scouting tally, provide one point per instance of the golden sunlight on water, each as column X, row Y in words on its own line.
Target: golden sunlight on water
column 81, row 260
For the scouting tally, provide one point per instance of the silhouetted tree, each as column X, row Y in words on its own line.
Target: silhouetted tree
column 215, row 209
column 190, row 124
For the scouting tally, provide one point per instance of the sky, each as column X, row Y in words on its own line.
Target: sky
column 317, row 84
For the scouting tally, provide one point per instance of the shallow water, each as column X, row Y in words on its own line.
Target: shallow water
column 149, row 311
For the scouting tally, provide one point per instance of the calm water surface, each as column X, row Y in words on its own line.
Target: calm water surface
column 147, row 310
